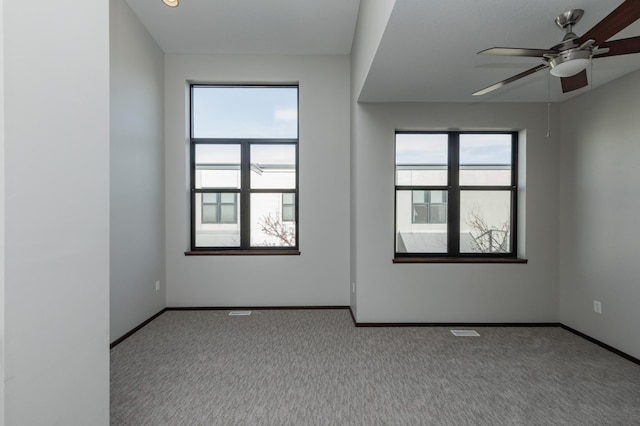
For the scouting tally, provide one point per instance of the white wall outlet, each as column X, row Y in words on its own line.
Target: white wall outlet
column 597, row 307
column 158, row 285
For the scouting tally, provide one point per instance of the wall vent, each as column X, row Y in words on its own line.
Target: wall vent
column 465, row 333
column 239, row 313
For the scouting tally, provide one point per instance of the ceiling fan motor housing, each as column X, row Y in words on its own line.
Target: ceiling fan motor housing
column 570, row 62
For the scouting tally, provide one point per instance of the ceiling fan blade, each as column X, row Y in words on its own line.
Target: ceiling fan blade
column 623, row 46
column 514, row 51
column 574, row 82
column 623, row 16
column 510, row 80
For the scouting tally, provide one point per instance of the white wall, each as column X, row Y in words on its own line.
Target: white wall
column 373, row 16
column 600, row 202
column 136, row 172
column 388, row 292
column 320, row 275
column 2, row 208
column 56, row 81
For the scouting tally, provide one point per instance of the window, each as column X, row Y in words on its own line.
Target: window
column 219, row 207
column 429, row 206
column 244, row 167
column 455, row 194
column 288, row 207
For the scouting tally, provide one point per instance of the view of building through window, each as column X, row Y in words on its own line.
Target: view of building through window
column 455, row 193
column 244, row 163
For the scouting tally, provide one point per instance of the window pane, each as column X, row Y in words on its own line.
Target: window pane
column 485, row 221
column 245, row 112
column 273, row 166
column 228, row 213
column 288, row 198
column 417, row 237
column 288, row 207
column 213, row 234
column 210, row 213
column 267, row 225
column 288, row 213
column 210, row 198
column 438, row 213
column 421, row 159
column 485, row 159
column 217, row 166
column 228, row 198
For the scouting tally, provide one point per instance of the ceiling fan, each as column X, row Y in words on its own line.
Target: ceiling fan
column 570, row 58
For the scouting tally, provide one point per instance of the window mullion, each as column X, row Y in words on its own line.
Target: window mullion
column 453, row 219
column 245, row 195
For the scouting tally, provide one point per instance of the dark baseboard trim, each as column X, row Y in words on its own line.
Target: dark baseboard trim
column 128, row 334
column 457, row 324
column 250, row 308
column 601, row 344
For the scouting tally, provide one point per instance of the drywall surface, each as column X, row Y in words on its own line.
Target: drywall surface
column 137, row 173
column 320, row 275
column 388, row 292
column 599, row 204
column 2, row 204
column 56, row 104
column 372, row 22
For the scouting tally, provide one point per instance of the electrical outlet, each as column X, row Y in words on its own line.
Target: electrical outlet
column 597, row 307
column 158, row 285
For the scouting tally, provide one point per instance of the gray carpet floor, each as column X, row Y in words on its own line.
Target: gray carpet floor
column 314, row 367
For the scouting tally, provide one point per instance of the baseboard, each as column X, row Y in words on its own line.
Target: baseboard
column 250, row 308
column 457, row 324
column 128, row 334
column 602, row 344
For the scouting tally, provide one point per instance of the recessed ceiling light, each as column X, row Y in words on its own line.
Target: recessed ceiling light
column 171, row 3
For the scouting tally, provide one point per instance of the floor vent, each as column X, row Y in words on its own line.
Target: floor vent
column 239, row 313
column 465, row 333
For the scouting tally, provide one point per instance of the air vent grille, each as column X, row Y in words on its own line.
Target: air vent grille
column 465, row 333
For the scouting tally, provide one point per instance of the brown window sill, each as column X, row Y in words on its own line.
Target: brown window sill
column 242, row 253
column 459, row 260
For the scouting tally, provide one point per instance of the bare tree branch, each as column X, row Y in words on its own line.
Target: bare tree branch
column 275, row 228
column 488, row 239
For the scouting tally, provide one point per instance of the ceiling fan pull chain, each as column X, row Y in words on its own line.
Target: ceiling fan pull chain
column 548, row 105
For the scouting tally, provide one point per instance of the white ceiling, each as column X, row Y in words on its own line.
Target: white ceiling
column 427, row 53
column 296, row 27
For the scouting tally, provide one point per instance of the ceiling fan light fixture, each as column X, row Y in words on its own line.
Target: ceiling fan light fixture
column 171, row 3
column 570, row 63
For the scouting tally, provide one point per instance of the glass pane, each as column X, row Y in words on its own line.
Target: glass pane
column 288, row 198
column 438, row 213
column 273, row 166
column 213, row 234
column 268, row 228
column 288, row 213
column 210, row 198
column 210, row 213
column 421, row 159
column 217, row 166
column 228, row 213
column 485, row 159
column 413, row 236
column 228, row 198
column 245, row 112
column 485, row 221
